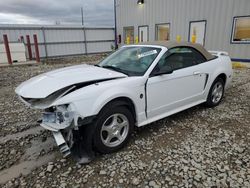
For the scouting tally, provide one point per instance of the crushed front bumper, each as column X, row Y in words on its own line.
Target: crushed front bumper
column 68, row 134
column 81, row 152
column 61, row 143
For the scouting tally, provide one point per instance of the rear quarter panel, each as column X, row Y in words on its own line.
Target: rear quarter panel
column 215, row 67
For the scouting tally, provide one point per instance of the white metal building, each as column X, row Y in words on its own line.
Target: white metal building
column 217, row 24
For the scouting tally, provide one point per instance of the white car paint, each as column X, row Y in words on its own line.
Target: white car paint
column 43, row 85
column 89, row 100
column 166, row 94
column 172, row 96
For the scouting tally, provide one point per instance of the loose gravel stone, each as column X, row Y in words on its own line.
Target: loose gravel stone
column 102, row 172
column 200, row 147
column 135, row 181
column 50, row 167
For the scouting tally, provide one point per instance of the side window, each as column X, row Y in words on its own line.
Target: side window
column 161, row 64
column 179, row 58
column 199, row 58
column 183, row 57
column 162, row 61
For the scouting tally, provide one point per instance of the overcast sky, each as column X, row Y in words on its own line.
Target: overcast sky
column 96, row 12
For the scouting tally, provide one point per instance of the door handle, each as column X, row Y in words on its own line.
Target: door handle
column 196, row 73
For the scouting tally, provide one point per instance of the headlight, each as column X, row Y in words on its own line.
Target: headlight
column 61, row 118
column 58, row 117
column 49, row 117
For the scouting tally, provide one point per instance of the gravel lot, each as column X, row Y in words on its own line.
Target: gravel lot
column 199, row 147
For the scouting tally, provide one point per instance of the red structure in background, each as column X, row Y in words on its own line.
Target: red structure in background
column 36, row 48
column 29, row 47
column 7, row 48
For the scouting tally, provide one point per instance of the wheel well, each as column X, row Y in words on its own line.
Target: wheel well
column 122, row 101
column 223, row 77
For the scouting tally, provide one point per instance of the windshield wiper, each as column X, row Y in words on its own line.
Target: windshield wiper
column 114, row 68
column 96, row 65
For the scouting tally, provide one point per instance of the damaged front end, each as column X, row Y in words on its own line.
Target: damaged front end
column 57, row 92
column 67, row 127
column 58, row 119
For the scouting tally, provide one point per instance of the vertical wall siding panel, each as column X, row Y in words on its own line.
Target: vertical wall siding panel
column 64, row 35
column 186, row 20
column 221, row 20
column 100, row 46
column 93, row 35
column 168, row 18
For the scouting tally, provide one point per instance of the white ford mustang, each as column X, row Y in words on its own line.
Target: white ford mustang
column 95, row 108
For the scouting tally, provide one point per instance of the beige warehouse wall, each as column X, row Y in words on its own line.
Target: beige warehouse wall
column 218, row 13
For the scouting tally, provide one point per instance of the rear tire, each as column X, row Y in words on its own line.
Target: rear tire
column 216, row 93
column 113, row 128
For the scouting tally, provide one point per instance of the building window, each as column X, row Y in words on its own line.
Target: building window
column 198, row 30
column 241, row 30
column 129, row 33
column 162, row 31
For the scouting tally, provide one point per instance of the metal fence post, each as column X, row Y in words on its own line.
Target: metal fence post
column 36, row 48
column 116, row 44
column 85, row 40
column 45, row 42
column 29, row 47
column 7, row 48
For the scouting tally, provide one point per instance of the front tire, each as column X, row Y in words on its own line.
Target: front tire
column 114, row 126
column 216, row 93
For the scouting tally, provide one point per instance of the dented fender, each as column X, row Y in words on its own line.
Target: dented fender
column 88, row 101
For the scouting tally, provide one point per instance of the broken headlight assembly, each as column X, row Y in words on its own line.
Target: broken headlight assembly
column 59, row 118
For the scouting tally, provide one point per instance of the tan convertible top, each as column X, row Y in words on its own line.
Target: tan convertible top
column 172, row 44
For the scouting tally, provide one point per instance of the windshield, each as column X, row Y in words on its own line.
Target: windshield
column 133, row 61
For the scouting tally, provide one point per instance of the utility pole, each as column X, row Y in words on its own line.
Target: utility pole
column 82, row 16
column 84, row 33
column 116, row 45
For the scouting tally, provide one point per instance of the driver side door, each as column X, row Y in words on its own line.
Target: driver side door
column 167, row 93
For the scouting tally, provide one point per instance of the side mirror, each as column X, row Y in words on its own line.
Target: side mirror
column 164, row 70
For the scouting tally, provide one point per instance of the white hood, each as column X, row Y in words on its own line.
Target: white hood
column 45, row 84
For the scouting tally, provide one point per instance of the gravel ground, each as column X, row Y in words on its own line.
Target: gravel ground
column 199, row 147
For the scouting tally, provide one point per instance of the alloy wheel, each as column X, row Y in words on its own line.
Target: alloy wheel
column 114, row 130
column 217, row 92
